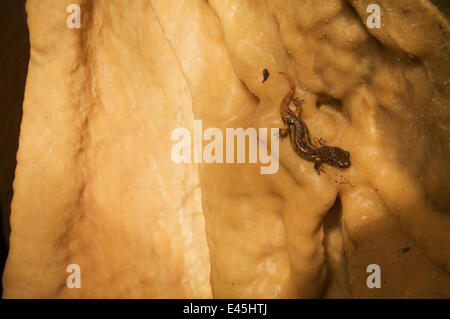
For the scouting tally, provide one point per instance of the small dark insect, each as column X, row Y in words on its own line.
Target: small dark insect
column 405, row 250
column 265, row 75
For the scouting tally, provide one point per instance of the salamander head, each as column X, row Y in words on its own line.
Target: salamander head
column 335, row 156
column 342, row 158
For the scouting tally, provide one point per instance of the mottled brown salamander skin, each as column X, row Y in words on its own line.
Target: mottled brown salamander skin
column 300, row 138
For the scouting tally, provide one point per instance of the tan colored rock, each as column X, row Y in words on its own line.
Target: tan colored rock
column 94, row 184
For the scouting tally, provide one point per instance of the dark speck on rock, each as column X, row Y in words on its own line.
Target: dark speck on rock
column 265, row 75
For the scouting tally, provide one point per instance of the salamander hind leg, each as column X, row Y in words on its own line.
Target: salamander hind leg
column 318, row 141
column 298, row 106
column 284, row 131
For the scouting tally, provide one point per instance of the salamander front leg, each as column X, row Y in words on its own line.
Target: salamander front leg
column 318, row 167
